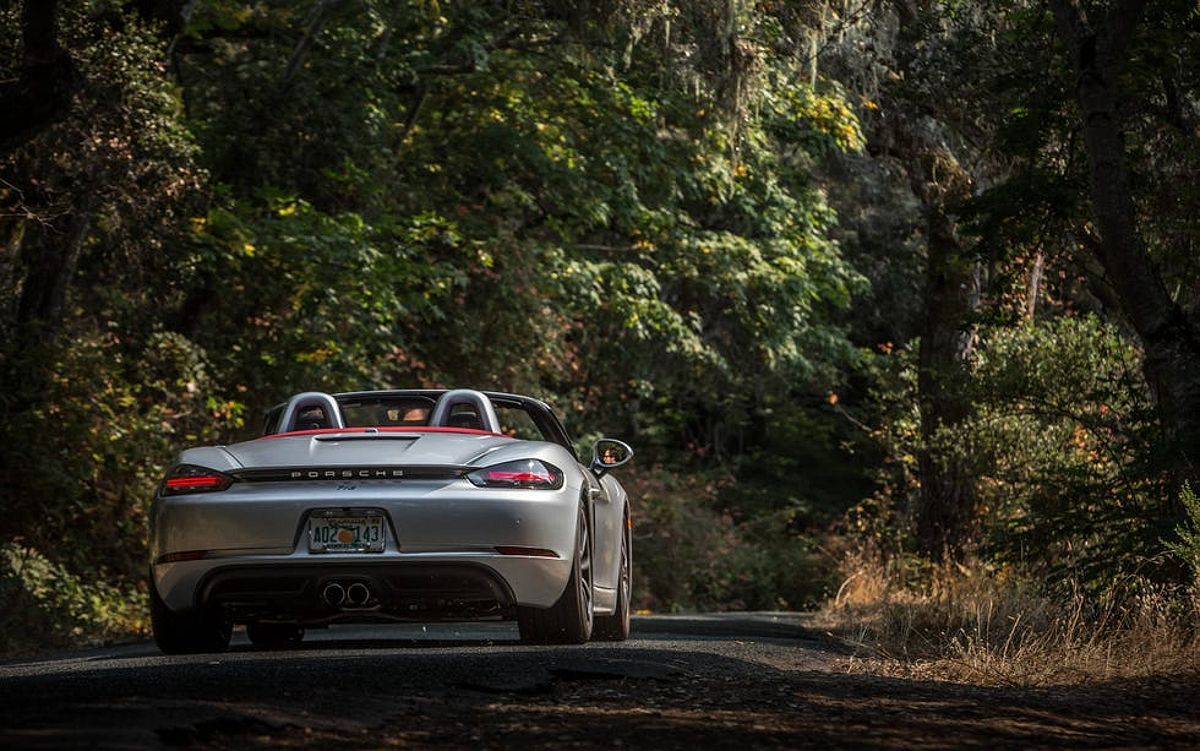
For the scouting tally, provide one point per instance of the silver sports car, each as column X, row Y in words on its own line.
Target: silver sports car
column 410, row 505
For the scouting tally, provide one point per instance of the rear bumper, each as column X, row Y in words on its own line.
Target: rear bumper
column 442, row 545
column 398, row 591
column 416, row 587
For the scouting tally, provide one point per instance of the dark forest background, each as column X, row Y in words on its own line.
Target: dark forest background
column 905, row 280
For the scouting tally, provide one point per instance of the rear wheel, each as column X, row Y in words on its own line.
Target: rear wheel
column 187, row 633
column 274, row 635
column 568, row 621
column 615, row 627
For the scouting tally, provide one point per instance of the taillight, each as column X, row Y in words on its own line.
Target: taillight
column 526, row 473
column 187, row 479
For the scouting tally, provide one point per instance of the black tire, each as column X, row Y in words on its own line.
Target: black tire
column 187, row 633
column 274, row 635
column 568, row 621
column 615, row 627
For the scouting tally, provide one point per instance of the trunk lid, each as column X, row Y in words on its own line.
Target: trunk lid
column 364, row 449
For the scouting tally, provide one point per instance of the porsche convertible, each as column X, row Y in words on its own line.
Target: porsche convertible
column 390, row 506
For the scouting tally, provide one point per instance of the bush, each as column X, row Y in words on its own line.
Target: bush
column 1187, row 544
column 1062, row 444
column 689, row 556
column 84, row 458
column 47, row 605
column 88, row 453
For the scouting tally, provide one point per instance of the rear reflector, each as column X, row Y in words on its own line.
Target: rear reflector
column 520, row 550
column 184, row 555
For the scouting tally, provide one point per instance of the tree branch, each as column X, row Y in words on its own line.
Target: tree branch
column 315, row 26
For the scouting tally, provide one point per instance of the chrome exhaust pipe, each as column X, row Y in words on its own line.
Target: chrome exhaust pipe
column 333, row 594
column 357, row 594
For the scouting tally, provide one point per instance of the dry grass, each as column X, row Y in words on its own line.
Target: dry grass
column 972, row 625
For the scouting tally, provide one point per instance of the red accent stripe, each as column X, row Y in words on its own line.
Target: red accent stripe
column 386, row 429
column 544, row 478
column 201, row 481
column 521, row 550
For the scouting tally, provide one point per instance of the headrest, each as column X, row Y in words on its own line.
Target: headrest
column 485, row 414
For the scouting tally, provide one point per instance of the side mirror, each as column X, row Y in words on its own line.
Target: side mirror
column 608, row 454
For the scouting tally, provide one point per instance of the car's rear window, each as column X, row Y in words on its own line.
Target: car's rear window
column 384, row 411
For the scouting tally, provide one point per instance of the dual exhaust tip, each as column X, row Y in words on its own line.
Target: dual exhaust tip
column 355, row 595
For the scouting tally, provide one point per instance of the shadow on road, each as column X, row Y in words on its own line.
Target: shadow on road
column 763, row 685
column 724, row 626
column 778, row 628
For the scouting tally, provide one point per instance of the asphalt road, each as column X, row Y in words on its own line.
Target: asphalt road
column 763, row 680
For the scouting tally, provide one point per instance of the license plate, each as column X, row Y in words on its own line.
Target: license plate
column 345, row 534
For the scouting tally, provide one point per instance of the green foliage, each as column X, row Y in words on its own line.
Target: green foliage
column 121, row 157
column 94, row 450
column 690, row 555
column 1066, row 431
column 1061, row 443
column 1187, row 542
column 568, row 222
column 47, row 604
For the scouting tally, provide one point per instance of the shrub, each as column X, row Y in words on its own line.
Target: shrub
column 1063, row 446
column 688, row 555
column 1187, row 544
column 48, row 605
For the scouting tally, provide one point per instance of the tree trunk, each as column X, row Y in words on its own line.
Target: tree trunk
column 1034, row 287
column 42, row 93
column 1171, row 342
column 50, row 262
column 947, row 501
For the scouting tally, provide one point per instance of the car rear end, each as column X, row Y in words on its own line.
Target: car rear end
column 332, row 526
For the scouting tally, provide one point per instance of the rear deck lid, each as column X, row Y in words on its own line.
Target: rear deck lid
column 366, row 448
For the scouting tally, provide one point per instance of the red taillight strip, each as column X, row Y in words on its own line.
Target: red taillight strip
column 521, row 550
column 387, row 429
column 202, row 481
column 541, row 477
